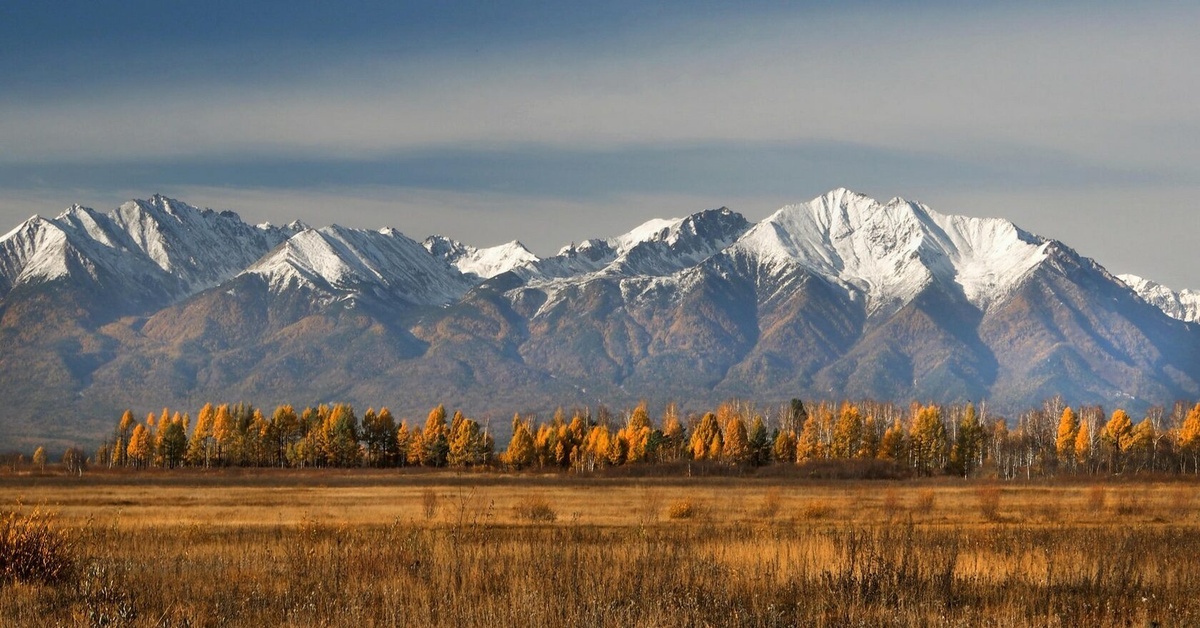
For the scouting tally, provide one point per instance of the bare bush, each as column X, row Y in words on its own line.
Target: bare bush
column 535, row 509
column 32, row 549
column 989, row 502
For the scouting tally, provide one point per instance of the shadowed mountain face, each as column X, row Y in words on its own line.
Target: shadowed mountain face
column 162, row 304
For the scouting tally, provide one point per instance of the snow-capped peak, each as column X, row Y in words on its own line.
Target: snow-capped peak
column 482, row 263
column 1183, row 305
column 891, row 251
column 340, row 261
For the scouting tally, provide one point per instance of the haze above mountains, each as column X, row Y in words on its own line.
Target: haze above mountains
column 159, row 303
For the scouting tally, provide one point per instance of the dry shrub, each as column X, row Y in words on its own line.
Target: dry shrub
column 989, row 502
column 816, row 510
column 32, row 549
column 429, row 503
column 1096, row 498
column 1181, row 503
column 535, row 509
column 651, row 506
column 891, row 504
column 924, row 502
column 683, row 509
column 1048, row 511
column 1131, row 506
column 771, row 504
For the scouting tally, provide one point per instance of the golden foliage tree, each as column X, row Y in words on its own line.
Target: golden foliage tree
column 927, row 440
column 1068, row 431
column 520, row 450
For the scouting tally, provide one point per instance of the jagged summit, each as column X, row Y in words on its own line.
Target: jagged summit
column 341, row 262
column 1183, row 305
column 889, row 252
column 159, row 303
column 482, row 263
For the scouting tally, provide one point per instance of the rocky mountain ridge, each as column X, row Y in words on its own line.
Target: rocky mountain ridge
column 161, row 303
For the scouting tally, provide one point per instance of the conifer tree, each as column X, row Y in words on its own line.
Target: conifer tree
column 927, row 440
column 847, row 432
column 784, row 447
column 1117, row 437
column 199, row 446
column 703, row 437
column 520, row 449
column 434, row 438
column 172, row 442
column 736, row 449
column 1083, row 445
column 968, row 443
column 893, row 446
column 1068, row 431
column 222, row 432
column 139, row 446
column 760, row 442
column 810, row 445
column 1189, row 437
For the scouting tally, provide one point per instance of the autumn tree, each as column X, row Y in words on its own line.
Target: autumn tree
column 1068, row 431
column 784, row 447
column 736, row 448
column 673, row 434
column 199, row 446
column 1189, row 437
column 172, row 442
column 893, row 446
column 435, row 438
column 139, row 446
column 1116, row 438
column 706, row 442
column 847, row 432
column 222, row 432
column 1083, row 446
column 810, row 445
column 340, row 437
column 39, row 458
column 467, row 445
column 379, row 433
column 966, row 454
column 927, row 440
column 520, row 448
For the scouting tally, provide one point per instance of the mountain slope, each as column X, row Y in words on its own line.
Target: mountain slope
column 160, row 303
column 1183, row 305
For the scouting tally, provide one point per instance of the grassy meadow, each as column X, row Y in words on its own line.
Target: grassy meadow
column 388, row 548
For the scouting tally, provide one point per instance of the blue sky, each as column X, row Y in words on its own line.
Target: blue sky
column 557, row 121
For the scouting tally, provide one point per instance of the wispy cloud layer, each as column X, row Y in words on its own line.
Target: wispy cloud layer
column 574, row 108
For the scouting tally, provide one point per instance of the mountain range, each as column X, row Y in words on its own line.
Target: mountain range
column 159, row 303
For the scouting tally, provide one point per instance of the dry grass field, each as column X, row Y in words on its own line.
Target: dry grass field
column 385, row 548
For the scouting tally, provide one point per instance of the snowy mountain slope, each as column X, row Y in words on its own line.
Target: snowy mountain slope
column 647, row 262
column 341, row 262
column 158, row 247
column 839, row 296
column 1183, row 305
column 483, row 263
column 889, row 253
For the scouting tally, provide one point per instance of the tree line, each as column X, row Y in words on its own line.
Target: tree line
column 924, row 439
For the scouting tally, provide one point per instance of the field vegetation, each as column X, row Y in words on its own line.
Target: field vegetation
column 365, row 547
